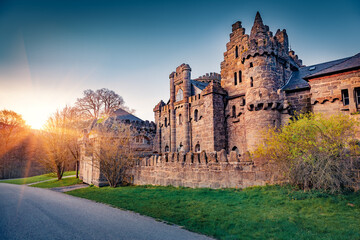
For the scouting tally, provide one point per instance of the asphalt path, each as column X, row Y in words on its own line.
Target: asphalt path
column 35, row 213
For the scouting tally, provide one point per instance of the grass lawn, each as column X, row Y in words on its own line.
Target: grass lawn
column 270, row 212
column 55, row 183
column 36, row 178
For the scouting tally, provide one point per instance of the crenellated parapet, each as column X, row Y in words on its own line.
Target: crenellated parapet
column 204, row 169
column 209, row 77
column 195, row 158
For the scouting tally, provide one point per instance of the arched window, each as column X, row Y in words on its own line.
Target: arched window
column 197, row 147
column 196, row 112
column 180, row 119
column 165, row 122
column 251, row 65
column 180, row 148
column 251, row 82
column 235, row 78
column 167, row 148
column 235, row 149
column 236, row 52
column 240, row 77
column 233, row 111
column 179, row 95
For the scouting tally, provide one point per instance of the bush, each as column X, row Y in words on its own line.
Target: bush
column 313, row 152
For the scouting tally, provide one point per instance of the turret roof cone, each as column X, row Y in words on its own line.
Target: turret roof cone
column 258, row 26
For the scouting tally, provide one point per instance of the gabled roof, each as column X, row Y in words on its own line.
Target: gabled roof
column 121, row 114
column 348, row 64
column 297, row 79
column 200, row 85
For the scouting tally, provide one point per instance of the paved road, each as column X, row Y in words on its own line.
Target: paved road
column 34, row 213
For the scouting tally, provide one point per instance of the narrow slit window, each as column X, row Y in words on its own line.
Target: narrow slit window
column 345, row 97
column 196, row 112
column 251, row 65
column 251, row 82
column 240, row 77
column 235, row 78
column 233, row 111
column 180, row 119
column 236, row 52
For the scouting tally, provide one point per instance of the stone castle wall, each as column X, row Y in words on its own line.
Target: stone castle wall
column 212, row 169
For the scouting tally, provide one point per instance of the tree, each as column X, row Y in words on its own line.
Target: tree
column 113, row 152
column 102, row 102
column 13, row 132
column 60, row 140
column 313, row 151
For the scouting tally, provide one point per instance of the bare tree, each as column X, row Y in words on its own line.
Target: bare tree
column 60, row 140
column 113, row 151
column 101, row 102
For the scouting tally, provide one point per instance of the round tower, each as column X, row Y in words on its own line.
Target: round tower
column 172, row 114
column 263, row 75
column 186, row 72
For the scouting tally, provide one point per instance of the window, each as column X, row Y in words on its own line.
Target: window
column 251, row 65
column 357, row 97
column 196, row 112
column 180, row 119
column 235, row 78
column 251, row 82
column 233, row 111
column 345, row 97
column 240, row 80
column 197, row 147
column 180, row 148
column 236, row 52
column 167, row 148
column 179, row 95
column 165, row 122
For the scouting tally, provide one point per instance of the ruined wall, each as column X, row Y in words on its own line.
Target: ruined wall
column 213, row 170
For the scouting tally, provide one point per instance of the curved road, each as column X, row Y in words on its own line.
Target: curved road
column 34, row 213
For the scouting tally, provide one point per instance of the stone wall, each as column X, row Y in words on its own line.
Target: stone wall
column 326, row 94
column 212, row 169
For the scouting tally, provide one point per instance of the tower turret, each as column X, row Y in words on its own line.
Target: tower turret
column 255, row 67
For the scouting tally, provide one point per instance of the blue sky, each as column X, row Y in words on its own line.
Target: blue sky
column 50, row 51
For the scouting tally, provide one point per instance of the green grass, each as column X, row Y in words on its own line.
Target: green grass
column 55, row 183
column 270, row 212
column 33, row 179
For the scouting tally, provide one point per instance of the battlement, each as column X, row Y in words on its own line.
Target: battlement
column 208, row 77
column 196, row 158
column 261, row 42
column 205, row 169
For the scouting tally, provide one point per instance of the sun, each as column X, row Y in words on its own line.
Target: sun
column 35, row 123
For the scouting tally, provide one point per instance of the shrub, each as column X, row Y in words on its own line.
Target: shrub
column 313, row 151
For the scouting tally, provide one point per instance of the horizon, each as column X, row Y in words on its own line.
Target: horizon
column 53, row 51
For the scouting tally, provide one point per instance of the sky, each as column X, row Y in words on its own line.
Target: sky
column 51, row 51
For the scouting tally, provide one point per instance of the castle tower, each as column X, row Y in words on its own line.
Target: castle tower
column 172, row 114
column 255, row 67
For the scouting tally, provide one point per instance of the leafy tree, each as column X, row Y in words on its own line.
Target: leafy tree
column 113, row 151
column 313, row 151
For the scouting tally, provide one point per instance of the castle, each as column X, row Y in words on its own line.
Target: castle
column 208, row 126
column 262, row 84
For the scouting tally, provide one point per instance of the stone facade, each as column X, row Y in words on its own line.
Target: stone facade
column 142, row 144
column 204, row 133
column 212, row 169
